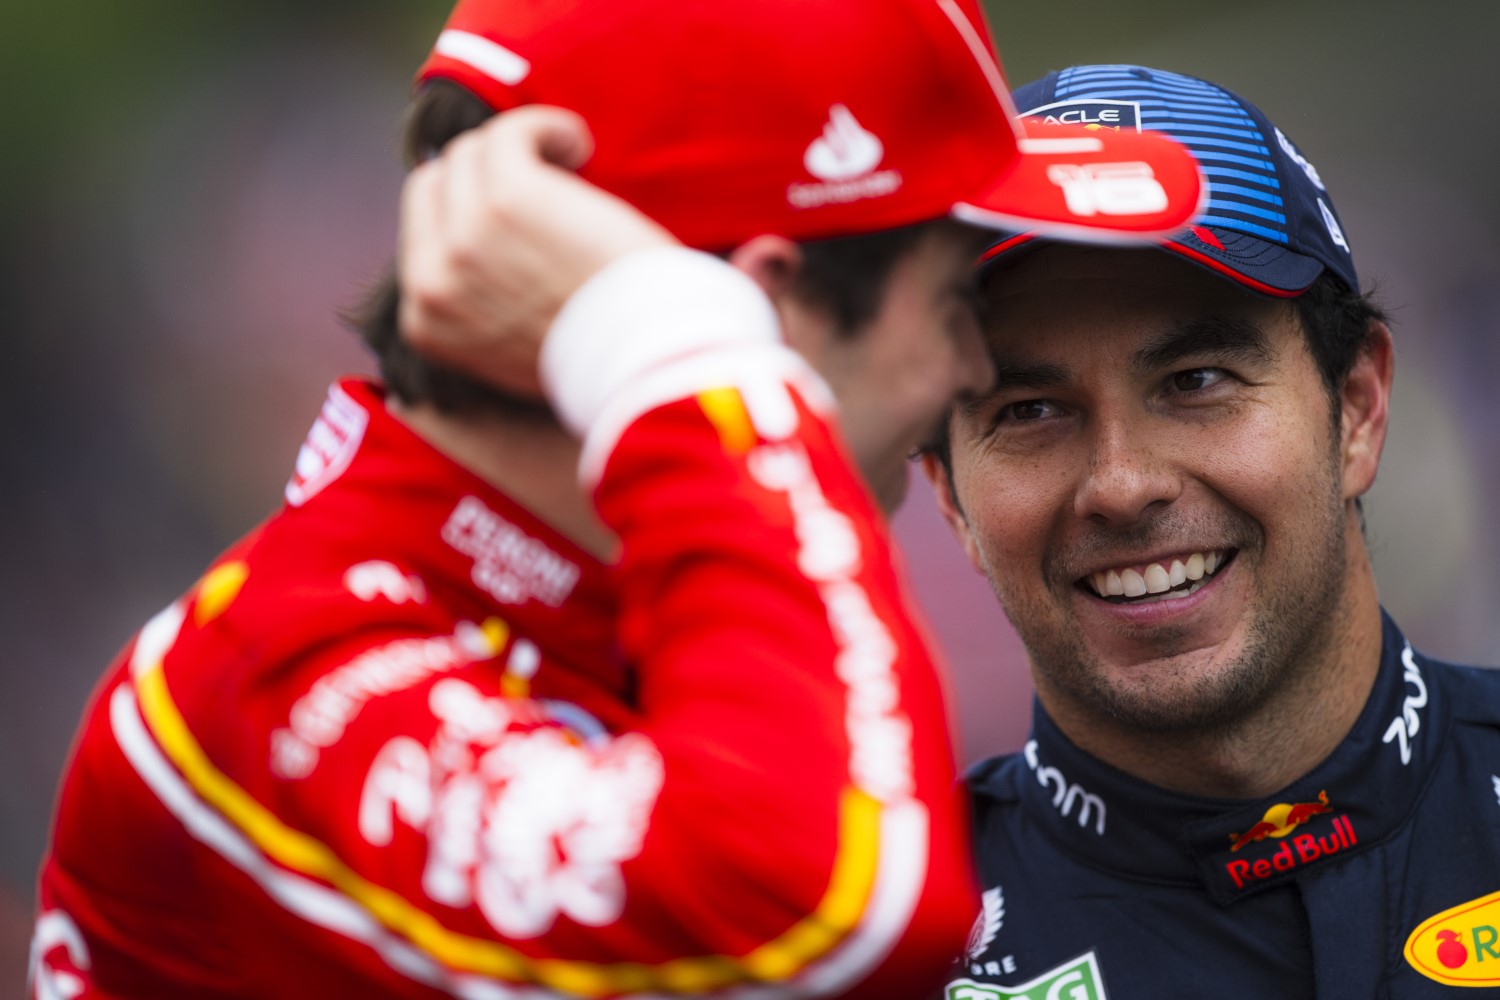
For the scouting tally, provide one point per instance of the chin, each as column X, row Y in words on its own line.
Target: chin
column 1201, row 690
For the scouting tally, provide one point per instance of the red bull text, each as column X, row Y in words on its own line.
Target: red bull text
column 1295, row 852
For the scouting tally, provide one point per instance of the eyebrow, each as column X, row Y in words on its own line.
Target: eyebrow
column 1212, row 337
column 1017, row 375
column 1030, row 375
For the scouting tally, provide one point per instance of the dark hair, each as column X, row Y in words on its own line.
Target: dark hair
column 844, row 275
column 1335, row 321
column 440, row 112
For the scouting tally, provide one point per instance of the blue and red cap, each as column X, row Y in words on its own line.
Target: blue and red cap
column 1268, row 222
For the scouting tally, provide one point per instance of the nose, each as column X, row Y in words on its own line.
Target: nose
column 1127, row 475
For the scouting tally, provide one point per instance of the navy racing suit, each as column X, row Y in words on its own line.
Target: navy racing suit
column 1377, row 874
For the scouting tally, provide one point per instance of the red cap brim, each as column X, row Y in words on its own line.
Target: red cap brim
column 1097, row 186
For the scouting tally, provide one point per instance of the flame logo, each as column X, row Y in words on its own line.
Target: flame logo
column 845, row 149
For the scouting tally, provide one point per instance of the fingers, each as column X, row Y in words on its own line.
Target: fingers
column 558, row 136
column 420, row 254
column 497, row 233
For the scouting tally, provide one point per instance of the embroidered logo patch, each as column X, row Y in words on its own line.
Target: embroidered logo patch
column 1075, row 980
column 330, row 447
column 1293, row 853
column 1460, row 946
column 508, row 563
column 844, row 158
column 485, row 793
column 991, row 918
column 1404, row 727
column 1066, row 794
column 1091, row 114
column 1280, row 820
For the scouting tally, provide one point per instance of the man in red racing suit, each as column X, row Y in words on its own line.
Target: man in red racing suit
column 405, row 736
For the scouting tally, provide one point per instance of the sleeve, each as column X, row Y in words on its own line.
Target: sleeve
column 807, row 827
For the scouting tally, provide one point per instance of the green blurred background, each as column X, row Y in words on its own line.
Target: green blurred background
column 189, row 191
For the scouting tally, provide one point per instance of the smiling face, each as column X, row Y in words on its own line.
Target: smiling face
column 1159, row 488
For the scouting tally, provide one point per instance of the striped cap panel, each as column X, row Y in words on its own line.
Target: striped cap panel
column 1244, row 192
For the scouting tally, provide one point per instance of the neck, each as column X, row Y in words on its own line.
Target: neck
column 528, row 457
column 1283, row 737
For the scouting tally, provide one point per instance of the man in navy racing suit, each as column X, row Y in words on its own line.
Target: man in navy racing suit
column 1242, row 780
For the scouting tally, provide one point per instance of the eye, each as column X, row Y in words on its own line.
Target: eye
column 1197, row 379
column 1026, row 411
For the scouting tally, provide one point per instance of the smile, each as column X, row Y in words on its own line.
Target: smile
column 1158, row 581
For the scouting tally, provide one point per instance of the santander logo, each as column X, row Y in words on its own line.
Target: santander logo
column 844, row 150
column 844, row 158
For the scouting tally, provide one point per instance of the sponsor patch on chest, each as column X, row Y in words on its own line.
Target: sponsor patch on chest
column 510, row 565
column 1461, row 945
column 1078, row 979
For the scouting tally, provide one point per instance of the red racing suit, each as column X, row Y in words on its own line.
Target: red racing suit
column 405, row 740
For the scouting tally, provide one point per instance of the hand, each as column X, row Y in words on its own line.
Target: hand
column 496, row 233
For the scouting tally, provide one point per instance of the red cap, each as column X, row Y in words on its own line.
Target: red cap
column 726, row 119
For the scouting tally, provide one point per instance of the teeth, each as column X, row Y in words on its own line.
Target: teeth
column 1193, row 588
column 1156, row 578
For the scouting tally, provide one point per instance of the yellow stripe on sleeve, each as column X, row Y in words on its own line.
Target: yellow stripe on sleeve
column 725, row 409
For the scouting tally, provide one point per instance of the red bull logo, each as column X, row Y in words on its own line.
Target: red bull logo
column 1460, row 946
column 1280, row 820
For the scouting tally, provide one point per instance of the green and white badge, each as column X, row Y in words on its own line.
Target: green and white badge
column 1075, row 980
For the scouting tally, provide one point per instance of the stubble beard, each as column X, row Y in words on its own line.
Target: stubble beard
column 1290, row 628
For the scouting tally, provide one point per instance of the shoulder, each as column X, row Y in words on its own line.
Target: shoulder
column 1473, row 692
column 296, row 634
column 291, row 589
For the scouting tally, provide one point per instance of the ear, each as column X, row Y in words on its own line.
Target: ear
column 1365, row 401
column 771, row 261
column 942, row 488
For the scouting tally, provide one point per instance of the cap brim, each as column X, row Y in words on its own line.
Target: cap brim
column 1268, row 268
column 1263, row 267
column 1095, row 186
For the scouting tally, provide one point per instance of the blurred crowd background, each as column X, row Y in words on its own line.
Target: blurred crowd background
column 190, row 191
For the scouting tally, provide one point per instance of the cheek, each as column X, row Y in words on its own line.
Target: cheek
column 917, row 395
column 928, row 368
column 1012, row 506
column 1272, row 468
column 940, row 358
